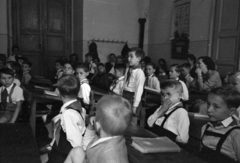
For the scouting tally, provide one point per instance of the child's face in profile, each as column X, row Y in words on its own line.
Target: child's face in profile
column 88, row 59
column 172, row 94
column 101, row 69
column 20, row 61
column 143, row 65
column 58, row 66
column 234, row 81
column 173, row 74
column 67, row 69
column 217, row 108
column 149, row 70
column 119, row 60
column 185, row 71
column 112, row 58
column 7, row 80
column 25, row 68
column 133, row 59
column 81, row 74
column 118, row 73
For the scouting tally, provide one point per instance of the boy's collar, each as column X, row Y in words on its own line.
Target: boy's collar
column 173, row 106
column 226, row 122
column 8, row 88
column 67, row 103
column 135, row 66
column 150, row 76
column 102, row 140
column 25, row 72
column 121, row 78
column 187, row 76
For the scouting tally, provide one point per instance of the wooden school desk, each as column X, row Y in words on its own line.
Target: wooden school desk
column 34, row 96
column 137, row 157
column 17, row 144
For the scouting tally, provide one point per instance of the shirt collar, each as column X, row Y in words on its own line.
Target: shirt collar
column 81, row 81
column 187, row 76
column 66, row 104
column 25, row 72
column 59, row 70
column 8, row 88
column 102, row 140
column 121, row 78
column 172, row 107
column 150, row 76
column 226, row 122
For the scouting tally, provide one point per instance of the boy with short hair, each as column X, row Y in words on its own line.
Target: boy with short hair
column 186, row 68
column 108, row 145
column 69, row 124
column 151, row 80
column 220, row 137
column 11, row 97
column 93, row 69
column 174, row 73
column 101, row 79
column 26, row 67
column 82, row 71
column 171, row 119
column 134, row 78
column 117, row 85
column 59, row 67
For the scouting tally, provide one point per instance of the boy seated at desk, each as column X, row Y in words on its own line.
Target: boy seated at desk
column 187, row 78
column 59, row 68
column 151, row 81
column 105, row 141
column 26, row 68
column 117, row 85
column 70, row 123
column 101, row 79
column 221, row 136
column 171, row 119
column 174, row 73
column 82, row 71
column 11, row 97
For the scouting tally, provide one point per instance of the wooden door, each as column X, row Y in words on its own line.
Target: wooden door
column 226, row 35
column 41, row 28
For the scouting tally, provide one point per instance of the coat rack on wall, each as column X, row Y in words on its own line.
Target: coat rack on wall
column 109, row 41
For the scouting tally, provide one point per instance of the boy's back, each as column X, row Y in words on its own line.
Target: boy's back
column 112, row 150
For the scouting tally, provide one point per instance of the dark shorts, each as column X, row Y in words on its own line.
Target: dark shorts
column 6, row 114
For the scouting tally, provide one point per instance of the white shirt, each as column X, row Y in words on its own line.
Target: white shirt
column 84, row 92
column 73, row 124
column 118, row 88
column 185, row 95
column 136, row 84
column 153, row 82
column 177, row 122
column 17, row 94
column 92, row 65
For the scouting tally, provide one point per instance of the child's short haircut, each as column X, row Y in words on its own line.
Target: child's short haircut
column 27, row 63
column 120, row 67
column 170, row 83
column 101, row 64
column 69, row 86
column 178, row 68
column 7, row 71
column 229, row 95
column 186, row 65
column 60, row 61
column 192, row 57
column 151, row 64
column 89, row 55
column 83, row 66
column 138, row 52
column 114, row 114
column 112, row 54
column 15, row 46
column 73, row 55
column 68, row 62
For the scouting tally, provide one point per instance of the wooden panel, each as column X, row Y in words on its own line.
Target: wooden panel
column 226, row 36
column 30, row 42
column 227, row 48
column 56, row 44
column 224, row 69
column 29, row 15
column 56, row 15
column 230, row 14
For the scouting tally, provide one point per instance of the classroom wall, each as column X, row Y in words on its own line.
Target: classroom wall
column 113, row 20
column 3, row 27
column 161, row 29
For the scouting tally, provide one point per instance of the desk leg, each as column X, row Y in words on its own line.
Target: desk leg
column 33, row 116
